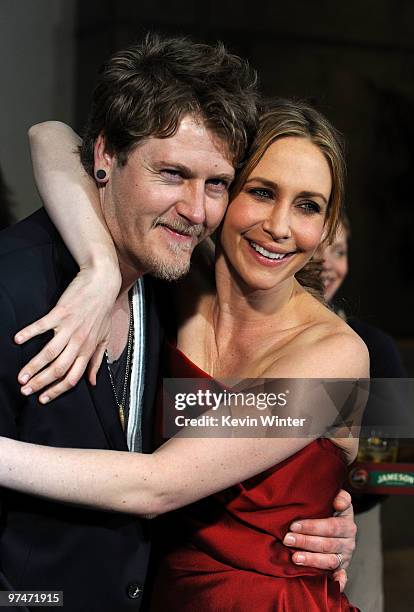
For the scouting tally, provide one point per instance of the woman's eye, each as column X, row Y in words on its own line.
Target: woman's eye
column 261, row 193
column 310, row 207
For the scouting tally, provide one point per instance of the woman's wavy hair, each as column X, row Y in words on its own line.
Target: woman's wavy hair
column 281, row 118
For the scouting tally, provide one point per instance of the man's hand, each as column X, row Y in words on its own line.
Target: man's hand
column 319, row 541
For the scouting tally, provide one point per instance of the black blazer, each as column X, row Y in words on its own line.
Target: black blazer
column 98, row 559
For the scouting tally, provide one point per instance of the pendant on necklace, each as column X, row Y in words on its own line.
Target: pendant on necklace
column 121, row 416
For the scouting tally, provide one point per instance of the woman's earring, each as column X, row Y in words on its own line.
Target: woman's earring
column 100, row 175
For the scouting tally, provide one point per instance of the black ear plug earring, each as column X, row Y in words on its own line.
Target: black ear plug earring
column 100, row 175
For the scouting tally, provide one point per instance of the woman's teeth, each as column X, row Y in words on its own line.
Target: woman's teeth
column 266, row 253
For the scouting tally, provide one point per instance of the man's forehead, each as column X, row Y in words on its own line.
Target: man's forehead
column 192, row 125
column 192, row 139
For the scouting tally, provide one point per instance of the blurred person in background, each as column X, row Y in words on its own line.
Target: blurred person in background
column 365, row 574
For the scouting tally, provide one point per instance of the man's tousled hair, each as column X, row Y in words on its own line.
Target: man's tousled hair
column 146, row 90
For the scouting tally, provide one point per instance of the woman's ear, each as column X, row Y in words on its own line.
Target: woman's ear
column 102, row 161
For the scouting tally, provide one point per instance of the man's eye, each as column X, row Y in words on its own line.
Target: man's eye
column 171, row 173
column 218, row 184
column 261, row 193
column 310, row 207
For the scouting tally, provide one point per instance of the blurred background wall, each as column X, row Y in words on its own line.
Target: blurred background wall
column 37, row 51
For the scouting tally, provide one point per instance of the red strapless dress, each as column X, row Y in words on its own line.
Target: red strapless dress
column 225, row 553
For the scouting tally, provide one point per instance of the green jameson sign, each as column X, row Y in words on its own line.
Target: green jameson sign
column 384, row 478
column 391, row 479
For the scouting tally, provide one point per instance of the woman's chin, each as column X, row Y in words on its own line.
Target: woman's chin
column 264, row 282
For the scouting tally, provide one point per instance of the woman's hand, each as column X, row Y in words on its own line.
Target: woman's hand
column 81, row 321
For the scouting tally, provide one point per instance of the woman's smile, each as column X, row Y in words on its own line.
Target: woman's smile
column 269, row 256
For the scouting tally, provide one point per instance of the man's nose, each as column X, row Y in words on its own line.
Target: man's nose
column 192, row 204
column 278, row 223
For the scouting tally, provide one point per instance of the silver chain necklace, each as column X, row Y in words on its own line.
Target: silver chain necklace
column 121, row 403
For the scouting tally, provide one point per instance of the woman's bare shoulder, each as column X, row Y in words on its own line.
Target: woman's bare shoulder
column 326, row 348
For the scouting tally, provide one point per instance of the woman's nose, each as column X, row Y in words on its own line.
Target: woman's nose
column 278, row 223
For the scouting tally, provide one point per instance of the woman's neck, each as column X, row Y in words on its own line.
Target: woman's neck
column 236, row 331
column 241, row 313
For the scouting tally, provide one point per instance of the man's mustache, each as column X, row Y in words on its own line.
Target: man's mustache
column 180, row 226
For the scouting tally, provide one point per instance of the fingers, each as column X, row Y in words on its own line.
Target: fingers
column 72, row 377
column 343, row 503
column 95, row 363
column 55, row 371
column 342, row 577
column 315, row 543
column 48, row 354
column 37, row 328
column 318, row 560
column 81, row 321
column 333, row 527
column 320, row 551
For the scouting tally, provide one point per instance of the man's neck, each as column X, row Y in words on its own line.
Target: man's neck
column 121, row 310
column 120, row 321
column 130, row 273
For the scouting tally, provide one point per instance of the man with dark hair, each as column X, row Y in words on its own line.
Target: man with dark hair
column 147, row 89
column 170, row 121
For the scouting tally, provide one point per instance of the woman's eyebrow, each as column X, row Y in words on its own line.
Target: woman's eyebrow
column 273, row 185
column 264, row 181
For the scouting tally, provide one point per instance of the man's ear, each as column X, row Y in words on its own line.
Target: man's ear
column 103, row 161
